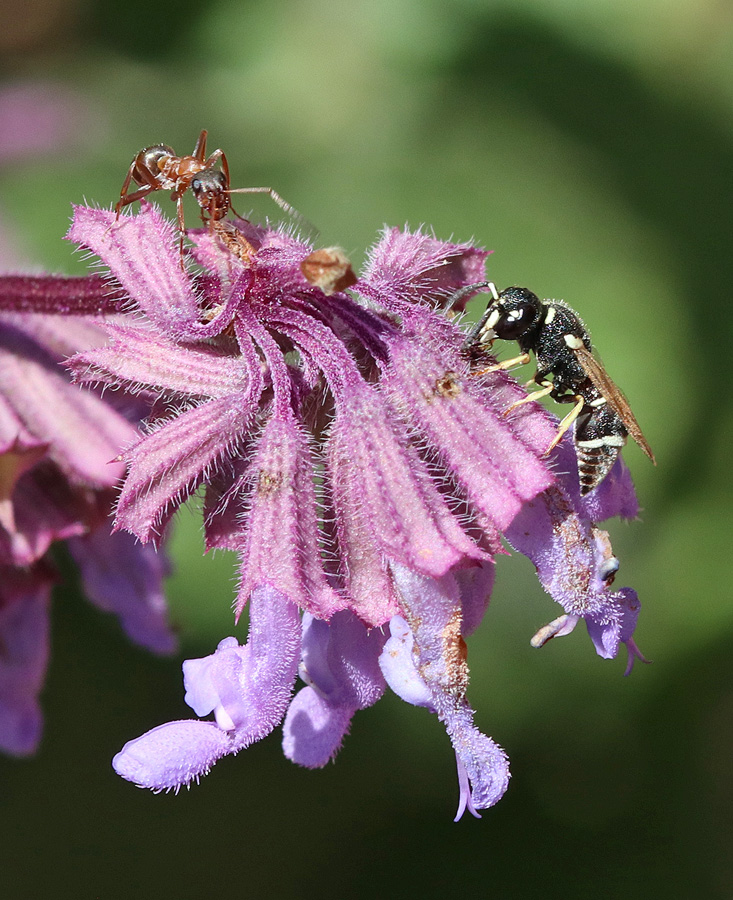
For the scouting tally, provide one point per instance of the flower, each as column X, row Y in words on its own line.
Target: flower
column 364, row 477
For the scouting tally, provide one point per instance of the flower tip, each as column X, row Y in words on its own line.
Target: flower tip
column 171, row 756
column 634, row 654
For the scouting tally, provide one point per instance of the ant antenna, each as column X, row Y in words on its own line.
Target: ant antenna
column 297, row 217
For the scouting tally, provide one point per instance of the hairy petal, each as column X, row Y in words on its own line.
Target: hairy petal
column 167, row 465
column 407, row 269
column 154, row 281
column 494, row 467
column 280, row 547
column 575, row 564
column 172, row 755
column 248, row 687
column 372, row 469
column 138, row 358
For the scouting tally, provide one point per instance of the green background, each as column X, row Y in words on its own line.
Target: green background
column 589, row 144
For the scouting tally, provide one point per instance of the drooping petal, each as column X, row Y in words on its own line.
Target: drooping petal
column 433, row 608
column 340, row 664
column 575, row 562
column 248, row 687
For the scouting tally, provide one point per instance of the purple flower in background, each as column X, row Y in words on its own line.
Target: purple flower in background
column 57, row 483
column 58, row 450
column 363, row 476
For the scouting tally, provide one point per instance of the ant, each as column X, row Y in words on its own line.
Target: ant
column 157, row 168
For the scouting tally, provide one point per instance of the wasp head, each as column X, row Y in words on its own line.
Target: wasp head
column 511, row 314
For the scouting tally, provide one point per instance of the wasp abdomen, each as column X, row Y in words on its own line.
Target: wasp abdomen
column 599, row 437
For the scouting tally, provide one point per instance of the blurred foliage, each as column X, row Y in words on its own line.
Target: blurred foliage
column 589, row 145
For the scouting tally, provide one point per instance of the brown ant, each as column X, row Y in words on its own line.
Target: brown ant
column 157, row 168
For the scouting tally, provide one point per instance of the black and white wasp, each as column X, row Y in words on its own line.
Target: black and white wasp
column 562, row 346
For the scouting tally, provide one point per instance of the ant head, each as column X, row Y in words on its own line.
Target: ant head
column 513, row 313
column 210, row 187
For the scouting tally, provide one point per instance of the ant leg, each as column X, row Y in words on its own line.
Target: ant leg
column 547, row 388
column 123, row 201
column 127, row 199
column 199, row 151
column 214, row 159
column 507, row 364
column 567, row 421
column 181, row 226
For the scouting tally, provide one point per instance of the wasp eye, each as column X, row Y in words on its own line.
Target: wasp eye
column 514, row 322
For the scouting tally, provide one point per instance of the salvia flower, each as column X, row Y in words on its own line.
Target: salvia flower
column 364, row 477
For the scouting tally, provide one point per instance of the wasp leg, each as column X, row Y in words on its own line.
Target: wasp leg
column 567, row 421
column 507, row 364
column 547, row 387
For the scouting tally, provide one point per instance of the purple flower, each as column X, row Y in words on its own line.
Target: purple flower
column 364, row 477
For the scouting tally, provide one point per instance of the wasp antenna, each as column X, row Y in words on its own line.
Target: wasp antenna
column 470, row 289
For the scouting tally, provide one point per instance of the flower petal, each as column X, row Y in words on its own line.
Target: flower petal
column 433, row 608
column 24, row 652
column 409, row 269
column 172, row 755
column 122, row 576
column 280, row 546
column 493, row 466
column 249, row 687
column 155, row 280
column 83, row 432
column 340, row 663
column 373, row 469
column 138, row 358
column 167, row 465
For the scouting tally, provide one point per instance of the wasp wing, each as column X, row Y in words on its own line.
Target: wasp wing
column 601, row 380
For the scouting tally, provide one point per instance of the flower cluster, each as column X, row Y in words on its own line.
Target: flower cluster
column 366, row 479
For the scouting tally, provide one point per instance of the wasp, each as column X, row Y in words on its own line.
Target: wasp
column 562, row 347
column 158, row 168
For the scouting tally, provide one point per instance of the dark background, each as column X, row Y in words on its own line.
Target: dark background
column 590, row 146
